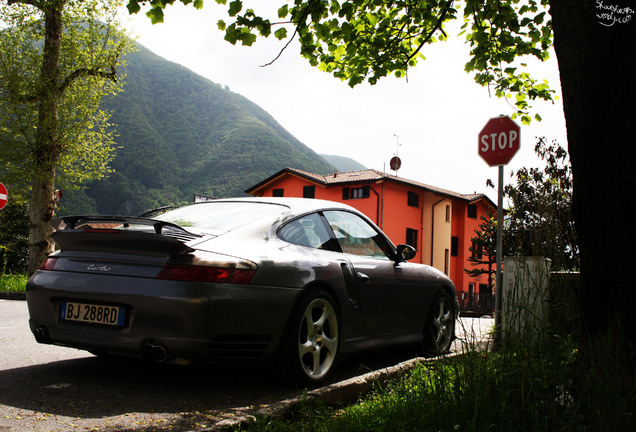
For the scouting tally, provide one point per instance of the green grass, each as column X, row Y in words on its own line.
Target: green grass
column 538, row 386
column 13, row 283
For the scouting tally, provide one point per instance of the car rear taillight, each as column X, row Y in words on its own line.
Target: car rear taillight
column 48, row 264
column 206, row 274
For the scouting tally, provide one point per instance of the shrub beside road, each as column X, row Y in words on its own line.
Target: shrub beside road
column 12, row 286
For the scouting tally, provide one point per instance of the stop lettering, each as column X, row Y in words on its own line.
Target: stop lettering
column 499, row 140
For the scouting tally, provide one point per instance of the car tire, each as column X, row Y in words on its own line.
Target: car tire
column 439, row 330
column 311, row 341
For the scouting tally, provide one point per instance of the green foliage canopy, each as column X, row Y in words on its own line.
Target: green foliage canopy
column 366, row 40
column 540, row 221
column 92, row 49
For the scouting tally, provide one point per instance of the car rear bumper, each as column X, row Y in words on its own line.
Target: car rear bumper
column 165, row 320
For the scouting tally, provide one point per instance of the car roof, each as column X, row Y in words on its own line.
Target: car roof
column 296, row 205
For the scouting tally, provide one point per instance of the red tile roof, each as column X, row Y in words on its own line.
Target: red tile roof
column 364, row 176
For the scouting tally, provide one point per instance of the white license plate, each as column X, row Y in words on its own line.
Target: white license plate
column 92, row 313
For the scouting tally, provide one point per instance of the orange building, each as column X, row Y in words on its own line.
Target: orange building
column 439, row 223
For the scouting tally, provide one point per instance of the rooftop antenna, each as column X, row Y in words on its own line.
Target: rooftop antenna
column 397, row 144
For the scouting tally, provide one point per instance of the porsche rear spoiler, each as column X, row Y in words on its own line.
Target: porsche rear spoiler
column 121, row 234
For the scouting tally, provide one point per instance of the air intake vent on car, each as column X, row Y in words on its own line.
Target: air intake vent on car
column 183, row 236
column 237, row 347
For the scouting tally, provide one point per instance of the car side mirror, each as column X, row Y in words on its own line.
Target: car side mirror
column 405, row 252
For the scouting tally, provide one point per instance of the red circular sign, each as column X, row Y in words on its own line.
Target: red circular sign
column 395, row 163
column 4, row 196
column 499, row 140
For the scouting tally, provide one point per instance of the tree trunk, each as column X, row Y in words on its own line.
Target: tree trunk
column 594, row 43
column 46, row 149
column 40, row 244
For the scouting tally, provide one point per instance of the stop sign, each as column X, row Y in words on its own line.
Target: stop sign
column 499, row 140
column 4, row 196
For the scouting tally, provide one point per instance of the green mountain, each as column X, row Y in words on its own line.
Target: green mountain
column 181, row 134
column 343, row 164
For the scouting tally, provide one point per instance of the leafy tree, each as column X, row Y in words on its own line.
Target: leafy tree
column 484, row 248
column 58, row 58
column 540, row 221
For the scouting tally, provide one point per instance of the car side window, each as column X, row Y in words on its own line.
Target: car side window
column 307, row 230
column 356, row 236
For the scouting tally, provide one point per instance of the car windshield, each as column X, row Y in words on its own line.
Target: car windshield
column 223, row 215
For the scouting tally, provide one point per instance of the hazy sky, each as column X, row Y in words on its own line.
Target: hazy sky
column 435, row 115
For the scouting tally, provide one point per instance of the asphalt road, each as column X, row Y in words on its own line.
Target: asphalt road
column 49, row 388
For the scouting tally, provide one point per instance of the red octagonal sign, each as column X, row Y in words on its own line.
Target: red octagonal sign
column 4, row 196
column 499, row 141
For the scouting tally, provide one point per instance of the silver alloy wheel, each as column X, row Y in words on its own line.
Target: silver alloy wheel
column 318, row 338
column 443, row 324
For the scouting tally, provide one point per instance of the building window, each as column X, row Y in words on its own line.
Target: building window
column 446, row 261
column 309, row 191
column 413, row 199
column 278, row 192
column 454, row 246
column 448, row 213
column 345, row 193
column 472, row 211
column 356, row 193
column 411, row 237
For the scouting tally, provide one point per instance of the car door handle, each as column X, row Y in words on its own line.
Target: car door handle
column 362, row 277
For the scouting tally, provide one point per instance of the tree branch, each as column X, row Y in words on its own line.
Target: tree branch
column 40, row 4
column 280, row 53
column 85, row 72
column 438, row 26
column 293, row 36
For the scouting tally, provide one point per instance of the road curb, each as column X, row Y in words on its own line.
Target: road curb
column 347, row 391
column 7, row 295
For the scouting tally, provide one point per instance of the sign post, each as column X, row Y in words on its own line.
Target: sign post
column 498, row 142
column 4, row 196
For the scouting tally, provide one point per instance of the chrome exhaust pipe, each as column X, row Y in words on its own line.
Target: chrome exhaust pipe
column 154, row 352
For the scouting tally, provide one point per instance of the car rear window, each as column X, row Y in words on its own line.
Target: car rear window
column 307, row 230
column 226, row 215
